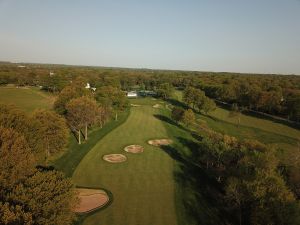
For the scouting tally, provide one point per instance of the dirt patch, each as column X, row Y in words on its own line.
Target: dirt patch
column 134, row 148
column 90, row 200
column 157, row 106
column 115, row 158
column 160, row 142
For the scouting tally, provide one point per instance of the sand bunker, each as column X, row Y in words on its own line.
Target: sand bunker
column 134, row 148
column 156, row 106
column 90, row 200
column 115, row 158
column 160, row 142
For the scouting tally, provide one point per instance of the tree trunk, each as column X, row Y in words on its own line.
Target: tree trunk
column 116, row 118
column 79, row 141
column 86, row 133
column 240, row 215
column 47, row 153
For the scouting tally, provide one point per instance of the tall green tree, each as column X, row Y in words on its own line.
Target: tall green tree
column 165, row 90
column 13, row 117
column 113, row 97
column 81, row 113
column 53, row 129
column 188, row 117
column 16, row 159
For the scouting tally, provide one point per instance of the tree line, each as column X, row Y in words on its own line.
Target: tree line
column 256, row 185
column 29, row 193
column 84, row 108
column 274, row 94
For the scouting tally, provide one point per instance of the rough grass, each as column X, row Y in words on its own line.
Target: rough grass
column 143, row 187
column 28, row 99
column 250, row 127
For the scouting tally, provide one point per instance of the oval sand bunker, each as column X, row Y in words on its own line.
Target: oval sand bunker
column 134, row 149
column 115, row 158
column 160, row 142
column 90, row 200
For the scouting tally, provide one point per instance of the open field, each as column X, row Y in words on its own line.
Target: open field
column 27, row 99
column 250, row 127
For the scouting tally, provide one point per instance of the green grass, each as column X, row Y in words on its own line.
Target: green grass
column 143, row 187
column 28, row 99
column 254, row 122
column 154, row 187
column 250, row 127
column 75, row 152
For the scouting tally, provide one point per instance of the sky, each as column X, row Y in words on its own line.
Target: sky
column 254, row 36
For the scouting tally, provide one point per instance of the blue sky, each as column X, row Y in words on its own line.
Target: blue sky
column 208, row 35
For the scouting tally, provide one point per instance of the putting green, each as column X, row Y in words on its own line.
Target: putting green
column 143, row 188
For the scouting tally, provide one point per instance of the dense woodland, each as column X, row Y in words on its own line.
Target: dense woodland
column 273, row 94
column 256, row 187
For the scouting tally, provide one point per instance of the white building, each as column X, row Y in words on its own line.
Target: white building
column 131, row 94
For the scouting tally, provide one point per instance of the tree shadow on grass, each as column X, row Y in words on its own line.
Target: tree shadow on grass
column 169, row 121
column 200, row 195
column 177, row 103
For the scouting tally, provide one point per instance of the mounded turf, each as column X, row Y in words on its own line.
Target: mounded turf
column 143, row 188
column 27, row 99
column 114, row 158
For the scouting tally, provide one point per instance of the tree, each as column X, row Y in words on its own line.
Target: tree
column 48, row 196
column 188, row 117
column 109, row 96
column 165, row 90
column 208, row 106
column 235, row 195
column 16, row 159
column 12, row 117
column 82, row 112
column 11, row 214
column 77, row 89
column 194, row 97
column 177, row 114
column 235, row 112
column 53, row 129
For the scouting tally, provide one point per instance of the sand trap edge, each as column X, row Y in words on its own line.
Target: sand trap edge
column 126, row 149
column 107, row 204
column 150, row 142
column 114, row 154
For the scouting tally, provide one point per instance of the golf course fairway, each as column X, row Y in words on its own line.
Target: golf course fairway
column 143, row 187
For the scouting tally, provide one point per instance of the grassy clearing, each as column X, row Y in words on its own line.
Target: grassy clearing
column 143, row 187
column 27, row 99
column 254, row 122
column 250, row 127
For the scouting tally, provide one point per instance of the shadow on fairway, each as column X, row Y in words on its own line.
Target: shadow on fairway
column 201, row 194
column 169, row 121
column 177, row 103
